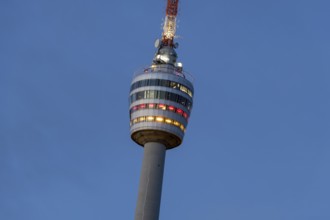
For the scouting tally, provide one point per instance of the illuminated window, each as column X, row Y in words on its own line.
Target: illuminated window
column 185, row 115
column 173, row 85
column 143, row 118
column 176, row 123
column 151, row 105
column 135, row 120
column 159, row 119
column 171, row 108
column 168, row 121
column 184, row 89
column 150, row 118
column 182, row 127
column 179, row 111
column 142, row 106
column 162, row 106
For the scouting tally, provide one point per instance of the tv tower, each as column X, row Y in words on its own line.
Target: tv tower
column 161, row 99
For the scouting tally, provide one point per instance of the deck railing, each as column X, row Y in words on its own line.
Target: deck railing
column 165, row 69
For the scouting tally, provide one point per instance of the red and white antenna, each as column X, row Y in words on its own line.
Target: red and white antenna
column 169, row 28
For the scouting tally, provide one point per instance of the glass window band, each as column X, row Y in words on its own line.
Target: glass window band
column 162, row 82
column 154, row 94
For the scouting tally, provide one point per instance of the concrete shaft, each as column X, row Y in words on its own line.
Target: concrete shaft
column 150, row 188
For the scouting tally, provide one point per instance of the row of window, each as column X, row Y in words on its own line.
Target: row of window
column 153, row 94
column 158, row 119
column 159, row 106
column 161, row 82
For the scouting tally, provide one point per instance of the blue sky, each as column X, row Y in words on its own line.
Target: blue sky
column 256, row 148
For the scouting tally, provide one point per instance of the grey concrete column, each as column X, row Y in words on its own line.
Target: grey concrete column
column 151, row 180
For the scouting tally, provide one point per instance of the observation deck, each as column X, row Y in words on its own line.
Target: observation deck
column 161, row 100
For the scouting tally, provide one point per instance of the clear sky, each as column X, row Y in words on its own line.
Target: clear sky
column 258, row 143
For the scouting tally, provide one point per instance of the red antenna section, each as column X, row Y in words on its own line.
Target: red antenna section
column 169, row 28
column 172, row 7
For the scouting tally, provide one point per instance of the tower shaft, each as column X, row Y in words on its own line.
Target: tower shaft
column 161, row 100
column 150, row 188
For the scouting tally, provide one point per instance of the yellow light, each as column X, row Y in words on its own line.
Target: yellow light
column 176, row 123
column 182, row 127
column 168, row 121
column 162, row 106
column 183, row 89
column 135, row 120
column 142, row 118
column 159, row 119
column 150, row 118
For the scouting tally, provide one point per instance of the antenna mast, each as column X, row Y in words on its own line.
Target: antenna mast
column 169, row 28
column 165, row 46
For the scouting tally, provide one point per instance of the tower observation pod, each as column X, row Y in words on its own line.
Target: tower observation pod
column 161, row 100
